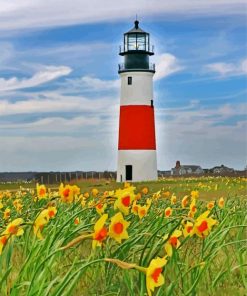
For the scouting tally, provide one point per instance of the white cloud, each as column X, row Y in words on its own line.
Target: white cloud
column 29, row 14
column 89, row 83
column 55, row 102
column 228, row 69
column 166, row 64
column 47, row 74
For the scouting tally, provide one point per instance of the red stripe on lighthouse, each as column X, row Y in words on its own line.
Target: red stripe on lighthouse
column 136, row 128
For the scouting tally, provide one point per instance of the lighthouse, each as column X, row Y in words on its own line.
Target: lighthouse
column 137, row 159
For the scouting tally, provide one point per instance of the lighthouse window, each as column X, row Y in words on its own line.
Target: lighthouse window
column 129, row 80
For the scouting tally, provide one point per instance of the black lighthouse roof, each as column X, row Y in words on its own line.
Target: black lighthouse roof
column 136, row 28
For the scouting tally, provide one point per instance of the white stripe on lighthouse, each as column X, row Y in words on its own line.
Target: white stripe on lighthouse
column 140, row 92
column 144, row 165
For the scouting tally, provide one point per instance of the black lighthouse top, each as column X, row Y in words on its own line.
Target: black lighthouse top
column 136, row 50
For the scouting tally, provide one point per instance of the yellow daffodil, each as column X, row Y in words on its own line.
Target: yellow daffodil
column 42, row 219
column 66, row 193
column 142, row 211
column 100, row 231
column 118, row 228
column 86, row 195
column 138, row 196
column 168, row 212
column 221, row 202
column 100, row 208
column 173, row 199
column 14, row 228
column 124, row 200
column 210, row 205
column 203, row 225
column 194, row 194
column 185, row 201
column 6, row 214
column 95, row 192
column 173, row 242
column 135, row 208
column 193, row 208
column 187, row 229
column 154, row 277
column 41, row 191
column 51, row 212
column 166, row 194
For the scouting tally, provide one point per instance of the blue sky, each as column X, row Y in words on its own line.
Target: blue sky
column 59, row 86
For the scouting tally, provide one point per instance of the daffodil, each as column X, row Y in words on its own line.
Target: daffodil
column 173, row 242
column 3, row 241
column 221, row 202
column 154, row 276
column 6, row 214
column 193, row 208
column 203, row 225
column 142, row 211
column 185, row 201
column 124, row 200
column 100, row 231
column 95, row 192
column 173, row 199
column 41, row 191
column 145, row 190
column 14, row 228
column 118, row 228
column 39, row 223
column 168, row 212
column 194, row 194
column 187, row 229
column 66, row 193
column 210, row 205
column 135, row 208
column 100, row 208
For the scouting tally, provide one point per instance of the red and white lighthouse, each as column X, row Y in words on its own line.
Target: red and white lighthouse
column 136, row 144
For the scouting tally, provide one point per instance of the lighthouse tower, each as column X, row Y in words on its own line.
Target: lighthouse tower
column 136, row 144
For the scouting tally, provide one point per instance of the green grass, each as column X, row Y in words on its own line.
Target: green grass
column 213, row 266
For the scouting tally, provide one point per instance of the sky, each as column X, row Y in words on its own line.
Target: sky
column 60, row 90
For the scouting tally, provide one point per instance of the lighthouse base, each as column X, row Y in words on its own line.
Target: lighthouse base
column 137, row 165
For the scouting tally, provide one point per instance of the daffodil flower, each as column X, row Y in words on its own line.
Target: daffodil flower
column 118, row 228
column 100, row 231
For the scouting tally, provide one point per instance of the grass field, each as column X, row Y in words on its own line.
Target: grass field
column 184, row 236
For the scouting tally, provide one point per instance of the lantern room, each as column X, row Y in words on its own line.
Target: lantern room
column 136, row 50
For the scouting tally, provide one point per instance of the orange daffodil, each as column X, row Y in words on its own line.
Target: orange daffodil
column 203, row 225
column 118, row 228
column 125, row 197
column 100, row 231
column 172, row 242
